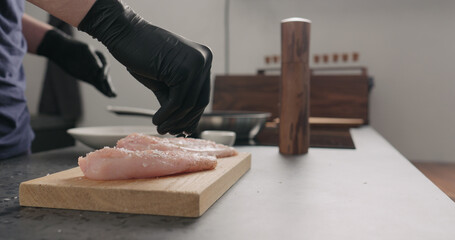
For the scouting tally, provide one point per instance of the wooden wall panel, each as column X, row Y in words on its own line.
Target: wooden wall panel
column 341, row 96
column 253, row 93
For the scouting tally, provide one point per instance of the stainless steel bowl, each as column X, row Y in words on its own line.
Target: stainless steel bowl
column 245, row 124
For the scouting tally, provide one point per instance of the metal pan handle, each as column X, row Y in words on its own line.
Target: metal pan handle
column 131, row 111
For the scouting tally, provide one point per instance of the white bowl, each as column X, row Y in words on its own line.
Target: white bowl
column 222, row 137
column 99, row 137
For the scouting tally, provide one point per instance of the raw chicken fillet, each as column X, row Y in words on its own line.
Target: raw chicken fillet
column 142, row 156
column 137, row 141
column 118, row 163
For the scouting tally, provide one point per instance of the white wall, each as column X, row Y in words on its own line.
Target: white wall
column 408, row 46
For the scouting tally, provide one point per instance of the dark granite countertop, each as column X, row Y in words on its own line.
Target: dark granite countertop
column 18, row 222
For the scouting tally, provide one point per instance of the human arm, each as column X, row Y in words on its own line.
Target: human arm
column 70, row 11
column 76, row 58
column 34, row 32
column 176, row 69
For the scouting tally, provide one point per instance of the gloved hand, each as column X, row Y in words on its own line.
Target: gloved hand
column 174, row 68
column 77, row 59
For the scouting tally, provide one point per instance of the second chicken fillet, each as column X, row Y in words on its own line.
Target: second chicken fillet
column 141, row 156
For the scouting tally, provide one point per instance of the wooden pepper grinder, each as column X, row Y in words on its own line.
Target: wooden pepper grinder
column 295, row 86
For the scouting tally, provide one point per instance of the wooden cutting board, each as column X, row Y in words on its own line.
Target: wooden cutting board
column 186, row 195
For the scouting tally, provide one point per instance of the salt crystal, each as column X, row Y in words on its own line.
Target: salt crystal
column 144, row 164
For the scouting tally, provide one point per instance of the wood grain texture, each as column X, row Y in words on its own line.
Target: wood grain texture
column 247, row 93
column 294, row 132
column 185, row 195
column 334, row 96
column 441, row 174
column 340, row 96
column 322, row 137
column 336, row 122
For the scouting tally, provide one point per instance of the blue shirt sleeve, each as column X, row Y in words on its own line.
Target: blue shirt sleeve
column 16, row 134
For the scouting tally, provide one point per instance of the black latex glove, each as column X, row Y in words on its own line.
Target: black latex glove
column 174, row 68
column 78, row 59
